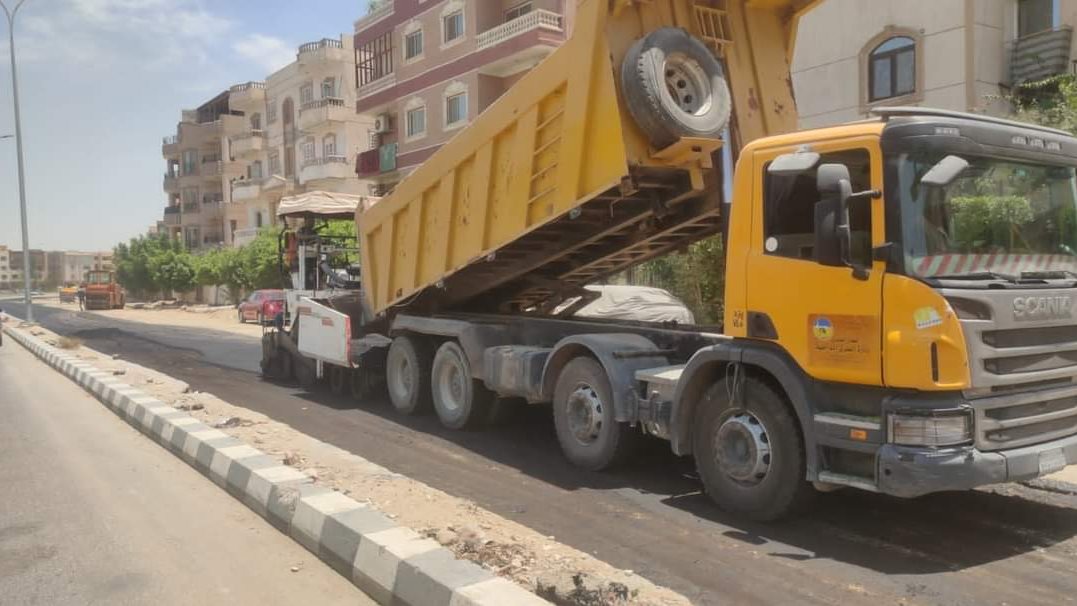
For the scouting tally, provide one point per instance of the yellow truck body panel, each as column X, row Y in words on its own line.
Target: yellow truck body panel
column 558, row 139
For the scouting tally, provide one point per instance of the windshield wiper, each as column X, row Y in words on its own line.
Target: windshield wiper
column 976, row 275
column 1051, row 274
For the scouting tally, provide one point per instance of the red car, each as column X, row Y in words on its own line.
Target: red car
column 261, row 306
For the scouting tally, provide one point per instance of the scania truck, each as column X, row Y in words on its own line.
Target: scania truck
column 898, row 292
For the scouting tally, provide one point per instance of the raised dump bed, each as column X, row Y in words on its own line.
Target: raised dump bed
column 597, row 159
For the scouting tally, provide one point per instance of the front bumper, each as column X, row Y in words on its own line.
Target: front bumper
column 911, row 472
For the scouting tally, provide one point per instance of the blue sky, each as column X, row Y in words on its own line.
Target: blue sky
column 101, row 81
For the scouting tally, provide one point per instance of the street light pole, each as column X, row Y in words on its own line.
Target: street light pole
column 27, row 266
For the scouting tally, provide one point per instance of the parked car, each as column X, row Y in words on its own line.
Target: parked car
column 261, row 306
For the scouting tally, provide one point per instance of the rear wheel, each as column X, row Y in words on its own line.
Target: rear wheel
column 338, row 379
column 459, row 400
column 305, row 372
column 408, row 374
column 583, row 415
column 242, row 320
column 750, row 457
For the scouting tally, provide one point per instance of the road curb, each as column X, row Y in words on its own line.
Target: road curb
column 388, row 562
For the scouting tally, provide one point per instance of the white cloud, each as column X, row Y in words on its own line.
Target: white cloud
column 267, row 52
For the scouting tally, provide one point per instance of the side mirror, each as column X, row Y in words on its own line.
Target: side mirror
column 832, row 236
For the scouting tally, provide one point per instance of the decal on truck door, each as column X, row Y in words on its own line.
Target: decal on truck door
column 841, row 340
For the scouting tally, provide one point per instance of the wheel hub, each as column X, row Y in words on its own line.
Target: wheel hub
column 687, row 84
column 585, row 414
column 401, row 383
column 742, row 448
column 451, row 385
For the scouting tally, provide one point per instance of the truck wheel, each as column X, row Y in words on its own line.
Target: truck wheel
column 459, row 400
column 584, row 417
column 338, row 379
column 674, row 87
column 305, row 373
column 750, row 457
column 365, row 383
column 408, row 375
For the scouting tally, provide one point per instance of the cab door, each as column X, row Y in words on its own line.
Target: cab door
column 825, row 317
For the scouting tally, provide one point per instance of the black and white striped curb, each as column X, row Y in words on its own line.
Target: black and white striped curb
column 390, row 563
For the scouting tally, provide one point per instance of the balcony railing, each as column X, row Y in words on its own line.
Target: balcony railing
column 190, row 207
column 374, row 16
column 171, row 181
column 170, row 140
column 323, row 43
column 375, row 161
column 537, row 19
column 244, row 236
column 1041, row 55
column 323, row 102
column 238, row 88
column 385, row 82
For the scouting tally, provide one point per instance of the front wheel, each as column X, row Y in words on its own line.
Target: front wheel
column 583, row 415
column 242, row 320
column 750, row 457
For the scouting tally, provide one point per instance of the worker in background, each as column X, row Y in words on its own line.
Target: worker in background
column 81, row 296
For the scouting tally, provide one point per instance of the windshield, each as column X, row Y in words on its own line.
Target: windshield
column 101, row 277
column 997, row 216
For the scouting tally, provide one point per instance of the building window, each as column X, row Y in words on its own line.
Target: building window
column 306, row 93
column 329, row 145
column 190, row 159
column 452, row 26
column 374, row 60
column 274, row 163
column 329, row 88
column 271, row 112
column 255, row 170
column 517, row 11
column 308, row 150
column 892, row 69
column 258, row 219
column 256, row 121
column 416, row 122
column 456, row 109
column 1034, row 16
column 413, row 45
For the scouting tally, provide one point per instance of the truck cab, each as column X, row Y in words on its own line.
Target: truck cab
column 906, row 284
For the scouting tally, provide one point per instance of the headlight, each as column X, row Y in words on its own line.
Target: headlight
column 934, row 428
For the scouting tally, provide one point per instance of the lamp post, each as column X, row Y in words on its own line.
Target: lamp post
column 27, row 266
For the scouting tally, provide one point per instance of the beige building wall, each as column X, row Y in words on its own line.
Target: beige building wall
column 965, row 54
column 302, row 134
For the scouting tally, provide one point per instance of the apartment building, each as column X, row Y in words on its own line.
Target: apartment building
column 39, row 269
column 301, row 133
column 9, row 277
column 198, row 171
column 426, row 68
column 75, row 264
column 965, row 55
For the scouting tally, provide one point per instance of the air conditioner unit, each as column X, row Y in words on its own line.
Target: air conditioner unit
column 381, row 123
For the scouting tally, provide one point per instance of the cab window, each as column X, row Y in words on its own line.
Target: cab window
column 789, row 209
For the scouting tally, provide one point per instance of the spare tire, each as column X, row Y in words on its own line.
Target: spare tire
column 675, row 87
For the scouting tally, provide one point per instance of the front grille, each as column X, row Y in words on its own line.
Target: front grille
column 1015, row 420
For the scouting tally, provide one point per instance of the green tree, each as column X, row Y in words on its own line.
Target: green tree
column 173, row 271
column 696, row 276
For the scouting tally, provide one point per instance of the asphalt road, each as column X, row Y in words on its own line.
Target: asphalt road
column 95, row 513
column 1006, row 545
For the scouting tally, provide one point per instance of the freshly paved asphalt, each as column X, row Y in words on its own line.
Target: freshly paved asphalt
column 95, row 513
column 1005, row 545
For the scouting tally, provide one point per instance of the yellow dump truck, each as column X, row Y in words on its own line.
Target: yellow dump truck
column 899, row 291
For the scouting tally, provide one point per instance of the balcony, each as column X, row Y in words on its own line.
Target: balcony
column 170, row 146
column 324, row 50
column 246, row 190
column 244, row 236
column 374, row 16
column 190, row 208
column 172, row 216
column 250, row 143
column 540, row 32
column 377, row 161
column 385, row 82
column 321, row 111
column 329, row 167
column 248, row 93
column 212, row 168
column 1041, row 55
column 171, row 183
